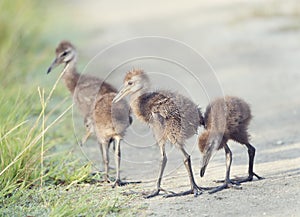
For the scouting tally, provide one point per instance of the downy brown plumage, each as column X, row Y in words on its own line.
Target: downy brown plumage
column 226, row 119
column 93, row 97
column 172, row 117
column 109, row 122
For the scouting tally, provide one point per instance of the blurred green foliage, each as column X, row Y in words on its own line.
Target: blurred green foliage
column 39, row 171
column 20, row 24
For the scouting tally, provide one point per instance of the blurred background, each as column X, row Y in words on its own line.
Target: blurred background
column 252, row 46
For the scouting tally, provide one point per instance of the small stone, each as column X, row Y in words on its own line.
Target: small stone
column 279, row 142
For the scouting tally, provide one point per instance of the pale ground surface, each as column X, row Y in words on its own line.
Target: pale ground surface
column 254, row 47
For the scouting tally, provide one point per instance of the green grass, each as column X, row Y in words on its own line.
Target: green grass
column 40, row 173
column 79, row 200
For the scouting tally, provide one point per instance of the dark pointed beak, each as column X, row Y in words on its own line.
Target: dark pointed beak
column 53, row 65
column 205, row 159
column 202, row 171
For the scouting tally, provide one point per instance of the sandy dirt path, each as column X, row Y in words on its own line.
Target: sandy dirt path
column 254, row 48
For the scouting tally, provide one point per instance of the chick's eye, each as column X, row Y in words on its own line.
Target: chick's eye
column 64, row 53
column 130, row 82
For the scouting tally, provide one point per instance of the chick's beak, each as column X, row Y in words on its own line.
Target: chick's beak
column 87, row 135
column 204, row 164
column 202, row 171
column 53, row 65
column 205, row 160
column 122, row 93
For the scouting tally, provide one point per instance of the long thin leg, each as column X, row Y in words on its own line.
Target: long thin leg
column 227, row 182
column 117, row 160
column 251, row 154
column 228, row 154
column 162, row 166
column 228, row 157
column 194, row 187
column 105, row 155
column 117, row 149
column 102, row 154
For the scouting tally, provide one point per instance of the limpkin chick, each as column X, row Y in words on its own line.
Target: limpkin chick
column 171, row 116
column 109, row 122
column 92, row 96
column 226, row 119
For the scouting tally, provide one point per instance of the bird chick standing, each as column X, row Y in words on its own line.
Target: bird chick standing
column 172, row 117
column 226, row 118
column 109, row 122
column 93, row 97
